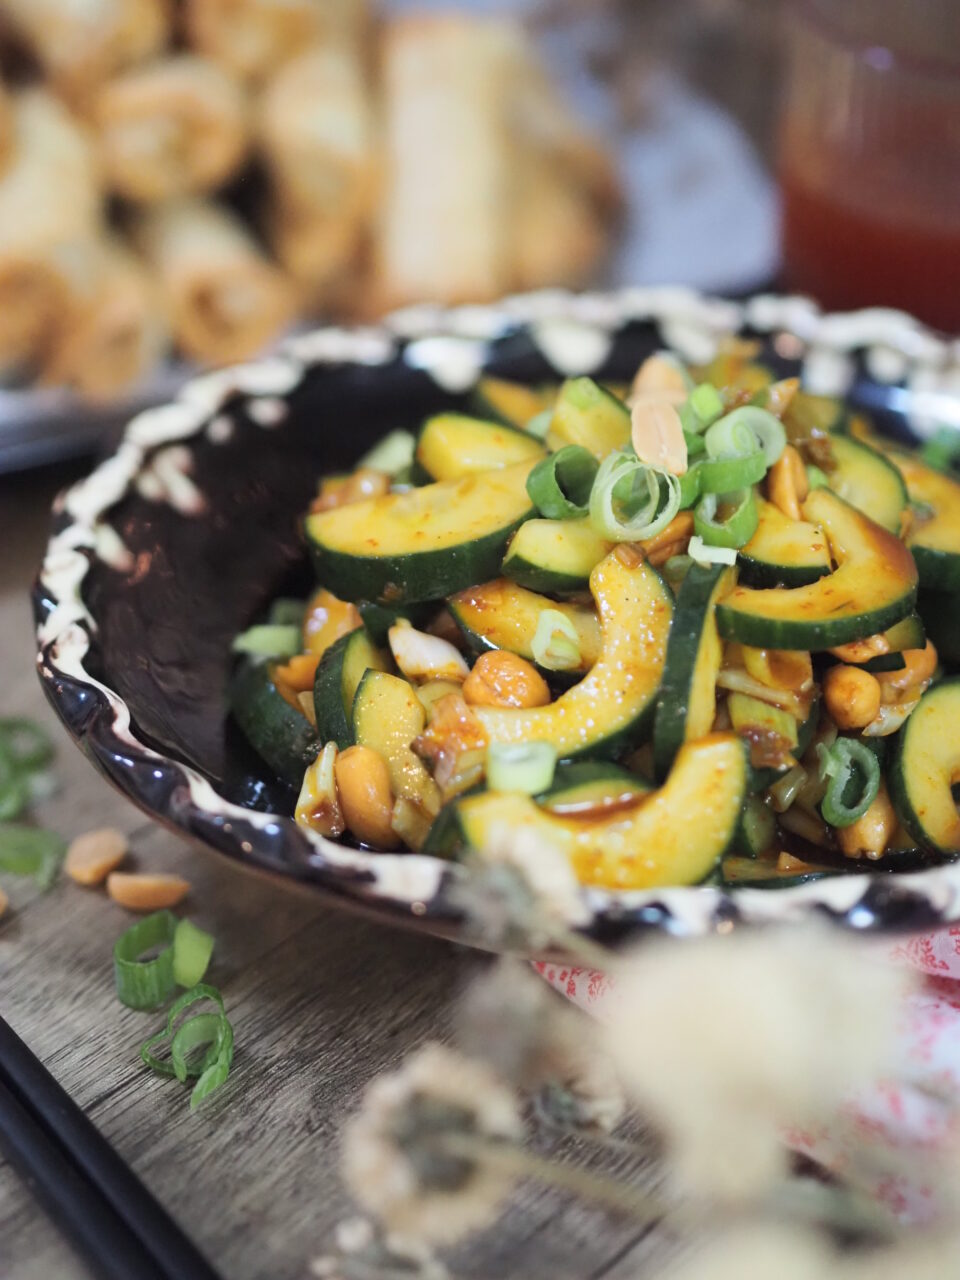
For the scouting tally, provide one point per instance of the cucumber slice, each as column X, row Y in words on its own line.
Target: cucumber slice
column 511, row 402
column 278, row 731
column 874, row 586
column 612, row 705
column 404, row 548
column 387, row 716
column 452, row 445
column 589, row 415
column 554, row 556
column 339, row 672
column 688, row 696
column 868, row 481
column 738, row 872
column 926, row 762
column 591, row 787
column 783, row 552
column 674, row 836
column 502, row 615
column 756, row 830
column 379, row 618
column 935, row 542
column 940, row 611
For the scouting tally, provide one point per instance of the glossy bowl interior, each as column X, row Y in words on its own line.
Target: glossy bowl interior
column 186, row 532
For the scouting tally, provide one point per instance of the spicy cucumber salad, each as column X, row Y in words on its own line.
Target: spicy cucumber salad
column 697, row 629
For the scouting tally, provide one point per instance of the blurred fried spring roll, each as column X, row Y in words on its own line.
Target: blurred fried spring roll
column 559, row 236
column 324, row 256
column 80, row 42
column 49, row 201
column 315, row 128
column 110, row 333
column 444, row 229
column 171, row 128
column 252, row 38
column 224, row 298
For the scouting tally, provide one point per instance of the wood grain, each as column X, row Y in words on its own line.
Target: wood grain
column 320, row 1003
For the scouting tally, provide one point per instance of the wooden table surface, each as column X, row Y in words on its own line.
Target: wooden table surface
column 320, row 1002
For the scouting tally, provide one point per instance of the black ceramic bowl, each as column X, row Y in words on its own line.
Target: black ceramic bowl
column 181, row 537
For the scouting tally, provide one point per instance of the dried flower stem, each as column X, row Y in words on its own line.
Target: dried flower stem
column 584, row 1182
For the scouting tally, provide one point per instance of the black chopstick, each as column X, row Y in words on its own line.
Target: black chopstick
column 124, row 1233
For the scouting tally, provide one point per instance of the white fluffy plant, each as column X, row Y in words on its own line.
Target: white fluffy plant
column 726, row 1043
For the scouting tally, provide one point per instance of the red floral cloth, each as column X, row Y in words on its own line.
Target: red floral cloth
column 913, row 1115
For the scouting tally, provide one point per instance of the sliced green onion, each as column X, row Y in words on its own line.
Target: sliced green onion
column 391, row 454
column 942, row 450
column 651, row 493
column 539, row 424
column 560, row 485
column 556, row 644
column 676, row 569
column 690, row 486
column 144, row 984
column 737, row 529
column 287, row 612
column 192, row 949
column 28, row 745
column 723, row 475
column 14, row 789
column 745, row 430
column 527, row 767
column 816, row 478
column 694, row 443
column 31, row 851
column 268, row 641
column 700, row 552
column 853, row 771
column 702, row 407
column 212, row 1029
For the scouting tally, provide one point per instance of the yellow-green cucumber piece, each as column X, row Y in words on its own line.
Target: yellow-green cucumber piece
column 587, row 414
column 503, row 615
column 783, row 552
column 452, row 445
column 687, row 703
column 614, row 703
column 554, row 556
column 338, row 674
column 925, row 764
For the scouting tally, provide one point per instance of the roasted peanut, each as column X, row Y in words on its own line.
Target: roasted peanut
column 920, row 666
column 852, row 696
column 870, row 834
column 862, row 650
column 659, row 377
column 146, row 891
column 657, row 434
column 92, row 856
column 363, row 786
column 326, row 619
column 504, row 679
column 678, row 531
column 784, row 487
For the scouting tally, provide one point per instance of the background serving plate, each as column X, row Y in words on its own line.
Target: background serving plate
column 177, row 540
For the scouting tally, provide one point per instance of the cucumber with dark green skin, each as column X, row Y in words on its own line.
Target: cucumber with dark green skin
column 782, row 552
column 589, row 415
column 590, row 785
column 338, row 675
column 427, row 543
column 686, row 705
column 503, row 615
column 554, row 557
column 874, row 586
column 868, row 481
column 675, row 836
column 935, row 541
column 451, row 445
column 757, row 829
column 741, row 872
column 279, row 733
column 511, row 402
column 760, row 779
column 379, row 618
column 940, row 611
column 925, row 762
